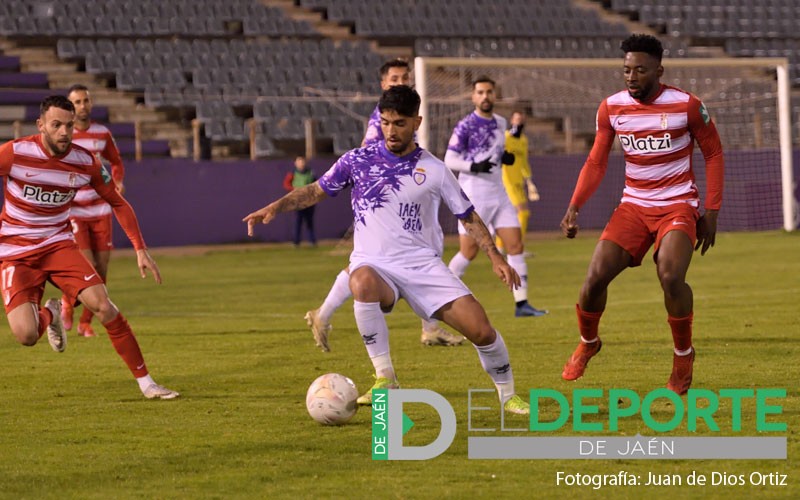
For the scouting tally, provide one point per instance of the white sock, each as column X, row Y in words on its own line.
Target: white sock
column 494, row 359
column 517, row 262
column 458, row 264
column 145, row 382
column 338, row 295
column 429, row 324
column 375, row 334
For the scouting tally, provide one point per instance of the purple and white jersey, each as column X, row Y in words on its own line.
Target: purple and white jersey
column 374, row 133
column 396, row 202
column 476, row 139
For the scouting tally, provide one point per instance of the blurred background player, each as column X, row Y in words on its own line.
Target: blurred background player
column 299, row 177
column 393, row 72
column 90, row 215
column 397, row 189
column 476, row 150
column 657, row 126
column 517, row 176
column 42, row 174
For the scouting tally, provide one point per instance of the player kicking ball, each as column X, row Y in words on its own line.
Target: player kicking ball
column 397, row 188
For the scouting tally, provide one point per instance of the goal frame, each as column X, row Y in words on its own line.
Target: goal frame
column 780, row 64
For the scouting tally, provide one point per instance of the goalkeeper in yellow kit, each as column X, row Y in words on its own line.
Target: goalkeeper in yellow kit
column 517, row 176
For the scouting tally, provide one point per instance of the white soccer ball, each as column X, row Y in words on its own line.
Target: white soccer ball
column 331, row 399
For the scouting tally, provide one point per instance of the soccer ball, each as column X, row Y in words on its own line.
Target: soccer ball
column 331, row 399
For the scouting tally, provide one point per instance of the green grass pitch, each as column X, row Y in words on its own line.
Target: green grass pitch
column 226, row 329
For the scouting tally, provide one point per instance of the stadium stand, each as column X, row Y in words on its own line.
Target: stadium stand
column 225, row 63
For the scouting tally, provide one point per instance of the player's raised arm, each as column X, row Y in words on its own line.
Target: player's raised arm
column 298, row 199
column 477, row 229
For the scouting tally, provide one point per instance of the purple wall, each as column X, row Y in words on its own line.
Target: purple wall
column 180, row 202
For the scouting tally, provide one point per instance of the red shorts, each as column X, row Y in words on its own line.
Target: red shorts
column 62, row 264
column 93, row 234
column 636, row 228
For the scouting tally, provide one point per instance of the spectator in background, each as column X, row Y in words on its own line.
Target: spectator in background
column 299, row 177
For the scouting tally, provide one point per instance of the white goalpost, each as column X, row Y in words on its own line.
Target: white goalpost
column 749, row 99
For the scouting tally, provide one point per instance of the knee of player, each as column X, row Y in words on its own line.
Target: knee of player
column 671, row 281
column 364, row 287
column 514, row 247
column 103, row 308
column 484, row 334
column 26, row 336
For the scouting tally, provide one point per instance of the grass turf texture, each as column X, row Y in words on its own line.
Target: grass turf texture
column 226, row 330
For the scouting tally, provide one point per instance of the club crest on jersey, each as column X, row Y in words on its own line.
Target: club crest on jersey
column 649, row 144
column 419, row 176
column 73, row 179
column 664, row 123
column 53, row 198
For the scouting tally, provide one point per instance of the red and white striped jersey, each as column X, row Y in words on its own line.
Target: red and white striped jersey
column 39, row 189
column 657, row 139
column 97, row 139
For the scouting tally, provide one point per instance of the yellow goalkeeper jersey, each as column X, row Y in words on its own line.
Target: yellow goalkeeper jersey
column 514, row 175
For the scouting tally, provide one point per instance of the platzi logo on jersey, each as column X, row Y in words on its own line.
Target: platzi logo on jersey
column 700, row 406
column 649, row 144
column 53, row 198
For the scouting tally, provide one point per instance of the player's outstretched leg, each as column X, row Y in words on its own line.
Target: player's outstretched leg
column 126, row 345
column 319, row 319
column 468, row 317
column 433, row 334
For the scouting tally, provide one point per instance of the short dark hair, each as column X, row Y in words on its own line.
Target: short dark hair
column 483, row 79
column 394, row 63
column 77, row 87
column 400, row 98
column 639, row 42
column 55, row 101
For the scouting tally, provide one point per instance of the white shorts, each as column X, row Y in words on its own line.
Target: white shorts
column 427, row 288
column 498, row 213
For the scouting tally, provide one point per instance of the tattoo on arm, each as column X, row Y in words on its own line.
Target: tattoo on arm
column 301, row 198
column 478, row 230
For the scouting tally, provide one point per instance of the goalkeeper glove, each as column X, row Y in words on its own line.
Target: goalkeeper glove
column 482, row 167
column 508, row 158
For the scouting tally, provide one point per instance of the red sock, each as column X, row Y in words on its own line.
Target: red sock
column 45, row 318
column 681, row 331
column 126, row 345
column 588, row 323
column 86, row 315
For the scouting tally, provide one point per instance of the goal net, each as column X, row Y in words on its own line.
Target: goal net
column 747, row 98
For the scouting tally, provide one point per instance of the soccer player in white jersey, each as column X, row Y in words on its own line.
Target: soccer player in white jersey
column 41, row 175
column 476, row 150
column 393, row 72
column 657, row 126
column 397, row 188
column 90, row 215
